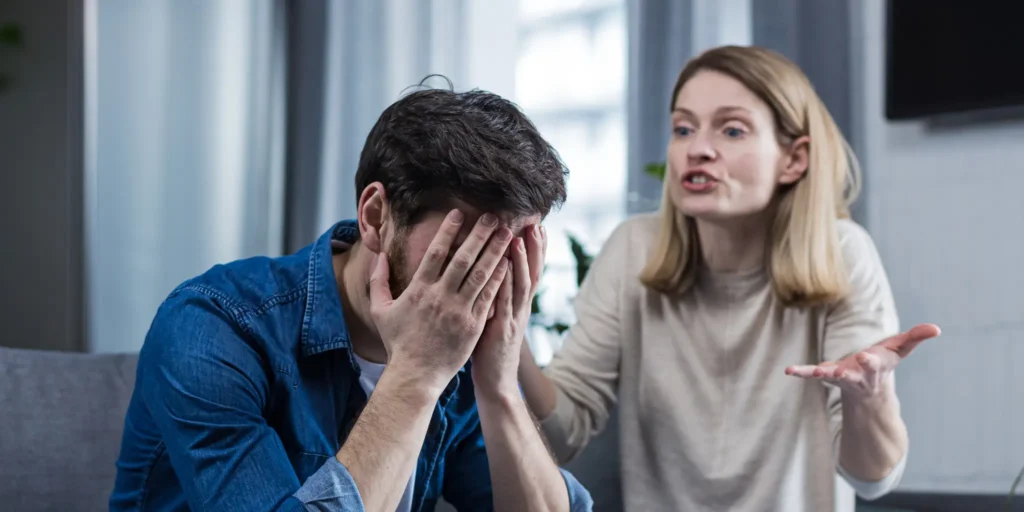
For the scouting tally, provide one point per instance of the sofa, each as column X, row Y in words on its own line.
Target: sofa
column 61, row 417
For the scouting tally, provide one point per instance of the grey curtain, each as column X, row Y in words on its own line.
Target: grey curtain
column 660, row 43
column 816, row 34
column 184, row 150
column 347, row 62
column 223, row 129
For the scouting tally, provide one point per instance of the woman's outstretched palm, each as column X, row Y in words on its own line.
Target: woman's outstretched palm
column 864, row 372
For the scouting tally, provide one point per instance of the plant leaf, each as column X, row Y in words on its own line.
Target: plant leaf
column 10, row 35
column 583, row 260
column 655, row 170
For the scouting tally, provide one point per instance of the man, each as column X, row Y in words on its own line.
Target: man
column 252, row 384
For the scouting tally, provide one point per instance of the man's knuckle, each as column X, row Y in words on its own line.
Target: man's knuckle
column 479, row 276
column 450, row 316
column 436, row 254
column 461, row 263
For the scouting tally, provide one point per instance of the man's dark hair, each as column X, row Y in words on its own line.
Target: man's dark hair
column 434, row 146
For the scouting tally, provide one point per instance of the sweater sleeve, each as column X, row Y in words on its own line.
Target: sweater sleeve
column 864, row 317
column 586, row 370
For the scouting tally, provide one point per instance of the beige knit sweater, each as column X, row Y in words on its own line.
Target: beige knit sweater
column 709, row 421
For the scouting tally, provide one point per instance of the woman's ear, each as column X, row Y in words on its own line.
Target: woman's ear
column 795, row 161
column 372, row 216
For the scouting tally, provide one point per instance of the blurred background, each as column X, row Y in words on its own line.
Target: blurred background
column 143, row 141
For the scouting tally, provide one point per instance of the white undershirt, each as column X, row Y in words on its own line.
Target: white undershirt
column 371, row 373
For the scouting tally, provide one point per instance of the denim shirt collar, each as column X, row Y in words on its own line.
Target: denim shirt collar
column 323, row 323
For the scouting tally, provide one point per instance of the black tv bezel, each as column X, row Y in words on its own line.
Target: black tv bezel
column 902, row 112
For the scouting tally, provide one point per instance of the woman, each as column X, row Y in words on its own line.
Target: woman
column 748, row 330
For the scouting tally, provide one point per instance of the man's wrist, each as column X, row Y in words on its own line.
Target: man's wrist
column 497, row 391
column 413, row 382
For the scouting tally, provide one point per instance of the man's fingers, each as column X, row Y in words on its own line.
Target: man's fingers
column 535, row 251
column 433, row 260
column 380, row 287
column 544, row 237
column 503, row 304
column 490, row 291
column 522, row 285
column 484, row 268
column 462, row 262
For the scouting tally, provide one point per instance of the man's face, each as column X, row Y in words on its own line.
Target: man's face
column 406, row 247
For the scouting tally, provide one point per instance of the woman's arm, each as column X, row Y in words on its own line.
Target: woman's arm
column 860, row 352
column 574, row 395
column 874, row 437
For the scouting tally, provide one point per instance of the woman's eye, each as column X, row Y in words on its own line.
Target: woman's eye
column 734, row 132
column 683, row 131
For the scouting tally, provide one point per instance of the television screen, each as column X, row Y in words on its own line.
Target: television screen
column 946, row 56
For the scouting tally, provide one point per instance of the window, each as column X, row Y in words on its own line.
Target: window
column 571, row 80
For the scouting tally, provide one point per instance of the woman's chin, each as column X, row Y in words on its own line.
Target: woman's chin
column 700, row 208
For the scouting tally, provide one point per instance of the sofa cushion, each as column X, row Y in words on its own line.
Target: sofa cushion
column 61, row 418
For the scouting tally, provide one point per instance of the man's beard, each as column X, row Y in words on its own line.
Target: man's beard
column 399, row 276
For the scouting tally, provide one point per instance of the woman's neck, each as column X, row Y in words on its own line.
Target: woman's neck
column 736, row 245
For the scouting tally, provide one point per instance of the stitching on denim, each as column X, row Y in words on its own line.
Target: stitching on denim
column 281, row 298
column 232, row 306
column 159, row 451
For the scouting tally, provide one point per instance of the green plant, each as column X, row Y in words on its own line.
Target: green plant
column 10, row 38
column 655, row 170
column 583, row 262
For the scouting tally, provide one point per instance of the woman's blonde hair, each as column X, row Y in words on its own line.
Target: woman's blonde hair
column 805, row 260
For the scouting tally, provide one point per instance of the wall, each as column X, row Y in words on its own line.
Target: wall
column 943, row 204
column 40, row 178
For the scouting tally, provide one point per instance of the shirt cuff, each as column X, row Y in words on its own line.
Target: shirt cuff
column 579, row 498
column 877, row 489
column 330, row 488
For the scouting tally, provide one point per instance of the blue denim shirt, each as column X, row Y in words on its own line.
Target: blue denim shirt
column 247, row 387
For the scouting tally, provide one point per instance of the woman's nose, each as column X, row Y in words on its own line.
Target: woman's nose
column 701, row 149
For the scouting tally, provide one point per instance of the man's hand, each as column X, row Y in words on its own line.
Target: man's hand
column 431, row 329
column 429, row 332
column 496, row 358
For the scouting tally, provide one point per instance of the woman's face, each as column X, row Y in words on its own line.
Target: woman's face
column 724, row 157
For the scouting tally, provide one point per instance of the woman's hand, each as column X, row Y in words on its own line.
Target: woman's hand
column 866, row 373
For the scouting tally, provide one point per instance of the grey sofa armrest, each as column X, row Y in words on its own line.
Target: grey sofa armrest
column 61, row 418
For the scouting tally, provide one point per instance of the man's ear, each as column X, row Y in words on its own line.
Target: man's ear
column 795, row 161
column 373, row 216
